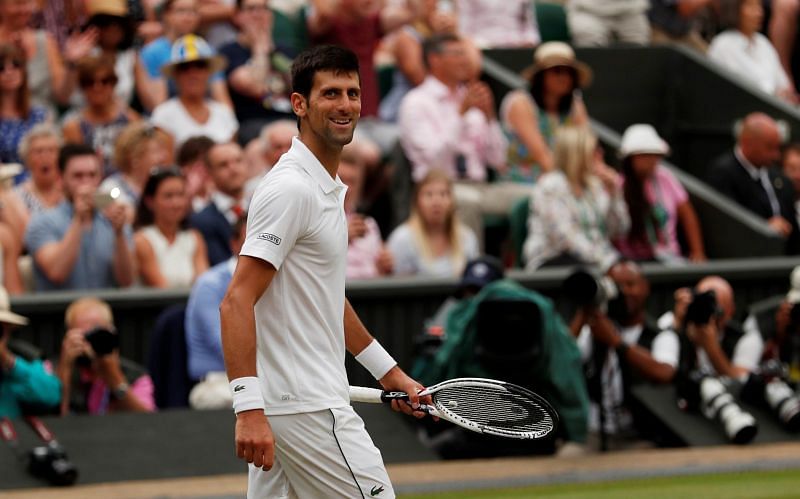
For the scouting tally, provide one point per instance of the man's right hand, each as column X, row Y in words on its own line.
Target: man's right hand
column 356, row 227
column 780, row 225
column 254, row 441
column 83, row 204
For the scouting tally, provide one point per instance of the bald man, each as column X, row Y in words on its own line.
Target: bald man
column 748, row 175
column 721, row 346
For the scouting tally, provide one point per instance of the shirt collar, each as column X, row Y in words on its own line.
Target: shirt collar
column 751, row 169
column 314, row 168
column 222, row 201
column 439, row 89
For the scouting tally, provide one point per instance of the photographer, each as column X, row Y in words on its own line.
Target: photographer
column 711, row 342
column 620, row 347
column 22, row 382
column 94, row 378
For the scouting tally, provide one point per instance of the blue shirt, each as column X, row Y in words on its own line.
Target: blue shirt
column 203, row 330
column 27, row 382
column 12, row 130
column 93, row 268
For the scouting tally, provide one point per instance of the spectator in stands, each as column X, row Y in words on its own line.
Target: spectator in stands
column 530, row 119
column 367, row 256
column 203, row 339
column 578, row 208
column 405, row 47
column 490, row 24
column 748, row 53
column 719, row 347
column 433, row 242
column 257, row 71
column 50, row 70
column 622, row 347
column 138, row 149
column 599, row 24
column 98, row 382
column 675, row 21
column 191, row 113
column 17, row 114
column 75, row 245
column 191, row 158
column 461, row 114
column 226, row 167
column 22, row 381
column 104, row 116
column 10, row 239
column 168, row 253
column 41, row 190
column 180, row 18
column 265, row 151
column 791, row 168
column 657, row 202
column 781, row 328
column 783, row 35
column 746, row 176
column 116, row 30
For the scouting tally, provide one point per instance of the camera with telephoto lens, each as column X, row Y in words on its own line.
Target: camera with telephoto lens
column 583, row 288
column 767, row 389
column 102, row 340
column 50, row 462
column 717, row 403
column 702, row 308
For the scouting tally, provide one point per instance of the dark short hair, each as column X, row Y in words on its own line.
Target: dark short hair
column 321, row 58
column 69, row 151
column 192, row 149
column 434, row 44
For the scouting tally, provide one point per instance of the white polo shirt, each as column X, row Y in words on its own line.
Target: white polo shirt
column 297, row 223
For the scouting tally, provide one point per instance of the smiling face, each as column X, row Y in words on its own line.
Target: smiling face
column 329, row 115
column 170, row 201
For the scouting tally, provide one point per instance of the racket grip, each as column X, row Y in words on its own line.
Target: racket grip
column 364, row 394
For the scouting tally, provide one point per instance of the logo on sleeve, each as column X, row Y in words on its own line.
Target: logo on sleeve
column 266, row 236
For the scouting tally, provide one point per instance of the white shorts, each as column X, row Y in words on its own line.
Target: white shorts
column 324, row 454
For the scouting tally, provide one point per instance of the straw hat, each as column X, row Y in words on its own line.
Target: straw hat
column 6, row 315
column 642, row 139
column 554, row 54
column 192, row 48
column 118, row 8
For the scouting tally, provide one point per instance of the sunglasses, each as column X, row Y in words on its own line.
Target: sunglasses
column 186, row 66
column 108, row 81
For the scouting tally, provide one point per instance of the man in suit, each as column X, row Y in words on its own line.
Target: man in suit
column 227, row 169
column 747, row 176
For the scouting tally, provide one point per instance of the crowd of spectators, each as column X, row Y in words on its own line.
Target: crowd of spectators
column 144, row 127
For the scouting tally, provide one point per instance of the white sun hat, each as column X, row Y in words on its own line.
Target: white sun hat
column 642, row 139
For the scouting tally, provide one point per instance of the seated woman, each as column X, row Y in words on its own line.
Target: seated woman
column 578, row 208
column 745, row 51
column 530, row 119
column 103, row 117
column 656, row 201
column 168, row 253
column 433, row 242
column 191, row 113
column 17, row 115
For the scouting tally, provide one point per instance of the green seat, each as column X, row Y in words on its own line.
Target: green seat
column 518, row 220
column 552, row 20
column 290, row 31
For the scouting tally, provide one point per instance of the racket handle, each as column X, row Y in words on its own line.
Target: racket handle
column 374, row 395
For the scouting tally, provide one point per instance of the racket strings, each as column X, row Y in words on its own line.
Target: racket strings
column 497, row 408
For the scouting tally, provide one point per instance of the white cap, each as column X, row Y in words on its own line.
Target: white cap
column 642, row 139
column 793, row 296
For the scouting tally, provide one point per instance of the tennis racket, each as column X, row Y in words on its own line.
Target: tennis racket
column 481, row 405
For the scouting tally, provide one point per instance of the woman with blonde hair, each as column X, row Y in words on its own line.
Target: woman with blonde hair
column 577, row 208
column 432, row 242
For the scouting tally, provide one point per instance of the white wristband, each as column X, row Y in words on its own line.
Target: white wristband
column 246, row 394
column 376, row 360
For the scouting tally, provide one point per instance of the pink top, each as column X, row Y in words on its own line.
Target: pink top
column 362, row 252
column 665, row 194
column 495, row 24
column 434, row 133
column 98, row 398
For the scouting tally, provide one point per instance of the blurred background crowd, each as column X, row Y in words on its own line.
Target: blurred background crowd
column 134, row 132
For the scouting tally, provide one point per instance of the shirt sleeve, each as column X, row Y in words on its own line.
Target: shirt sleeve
column 666, row 348
column 203, row 329
column 32, row 383
column 39, row 233
column 401, row 246
column 747, row 353
column 278, row 216
column 142, row 389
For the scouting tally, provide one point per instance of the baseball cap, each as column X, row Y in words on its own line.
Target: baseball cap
column 480, row 272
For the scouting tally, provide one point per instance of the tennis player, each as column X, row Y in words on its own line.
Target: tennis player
column 285, row 320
